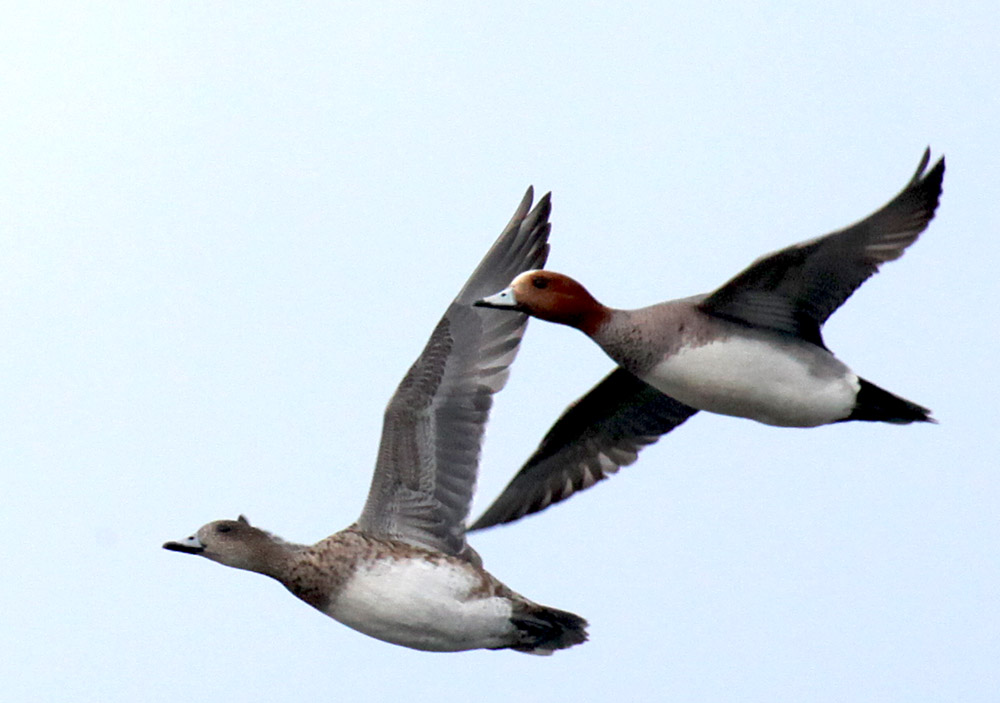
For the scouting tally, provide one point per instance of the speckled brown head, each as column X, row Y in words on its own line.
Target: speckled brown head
column 234, row 543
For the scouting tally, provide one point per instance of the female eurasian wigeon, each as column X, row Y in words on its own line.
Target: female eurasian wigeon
column 752, row 349
column 403, row 572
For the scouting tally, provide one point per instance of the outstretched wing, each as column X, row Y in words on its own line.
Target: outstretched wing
column 796, row 289
column 433, row 428
column 599, row 433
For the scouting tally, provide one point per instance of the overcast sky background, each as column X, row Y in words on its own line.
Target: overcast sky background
column 227, row 231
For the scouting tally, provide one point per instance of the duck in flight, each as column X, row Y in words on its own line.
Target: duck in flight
column 404, row 573
column 752, row 348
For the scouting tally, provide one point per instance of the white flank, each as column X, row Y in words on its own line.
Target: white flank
column 423, row 605
column 784, row 384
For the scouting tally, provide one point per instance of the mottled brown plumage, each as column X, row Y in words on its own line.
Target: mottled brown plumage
column 403, row 572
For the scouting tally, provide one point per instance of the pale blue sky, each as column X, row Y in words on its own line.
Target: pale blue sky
column 227, row 230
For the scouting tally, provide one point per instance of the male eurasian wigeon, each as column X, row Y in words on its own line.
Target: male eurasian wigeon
column 403, row 573
column 751, row 348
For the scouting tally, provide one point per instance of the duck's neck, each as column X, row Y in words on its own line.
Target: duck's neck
column 277, row 558
column 587, row 316
column 591, row 321
column 617, row 335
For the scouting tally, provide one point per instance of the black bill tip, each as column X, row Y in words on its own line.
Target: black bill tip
column 185, row 547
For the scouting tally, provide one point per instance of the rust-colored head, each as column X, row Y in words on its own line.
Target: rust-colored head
column 550, row 296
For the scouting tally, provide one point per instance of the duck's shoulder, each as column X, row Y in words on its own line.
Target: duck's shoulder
column 318, row 572
column 641, row 337
column 327, row 568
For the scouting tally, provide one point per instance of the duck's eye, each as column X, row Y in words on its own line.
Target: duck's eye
column 540, row 282
column 224, row 528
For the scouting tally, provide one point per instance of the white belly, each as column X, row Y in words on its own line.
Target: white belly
column 423, row 605
column 785, row 384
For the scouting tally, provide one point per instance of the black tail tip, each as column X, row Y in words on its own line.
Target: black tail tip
column 544, row 630
column 875, row 404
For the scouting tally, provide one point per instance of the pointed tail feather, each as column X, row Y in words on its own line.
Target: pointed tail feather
column 544, row 630
column 875, row 404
